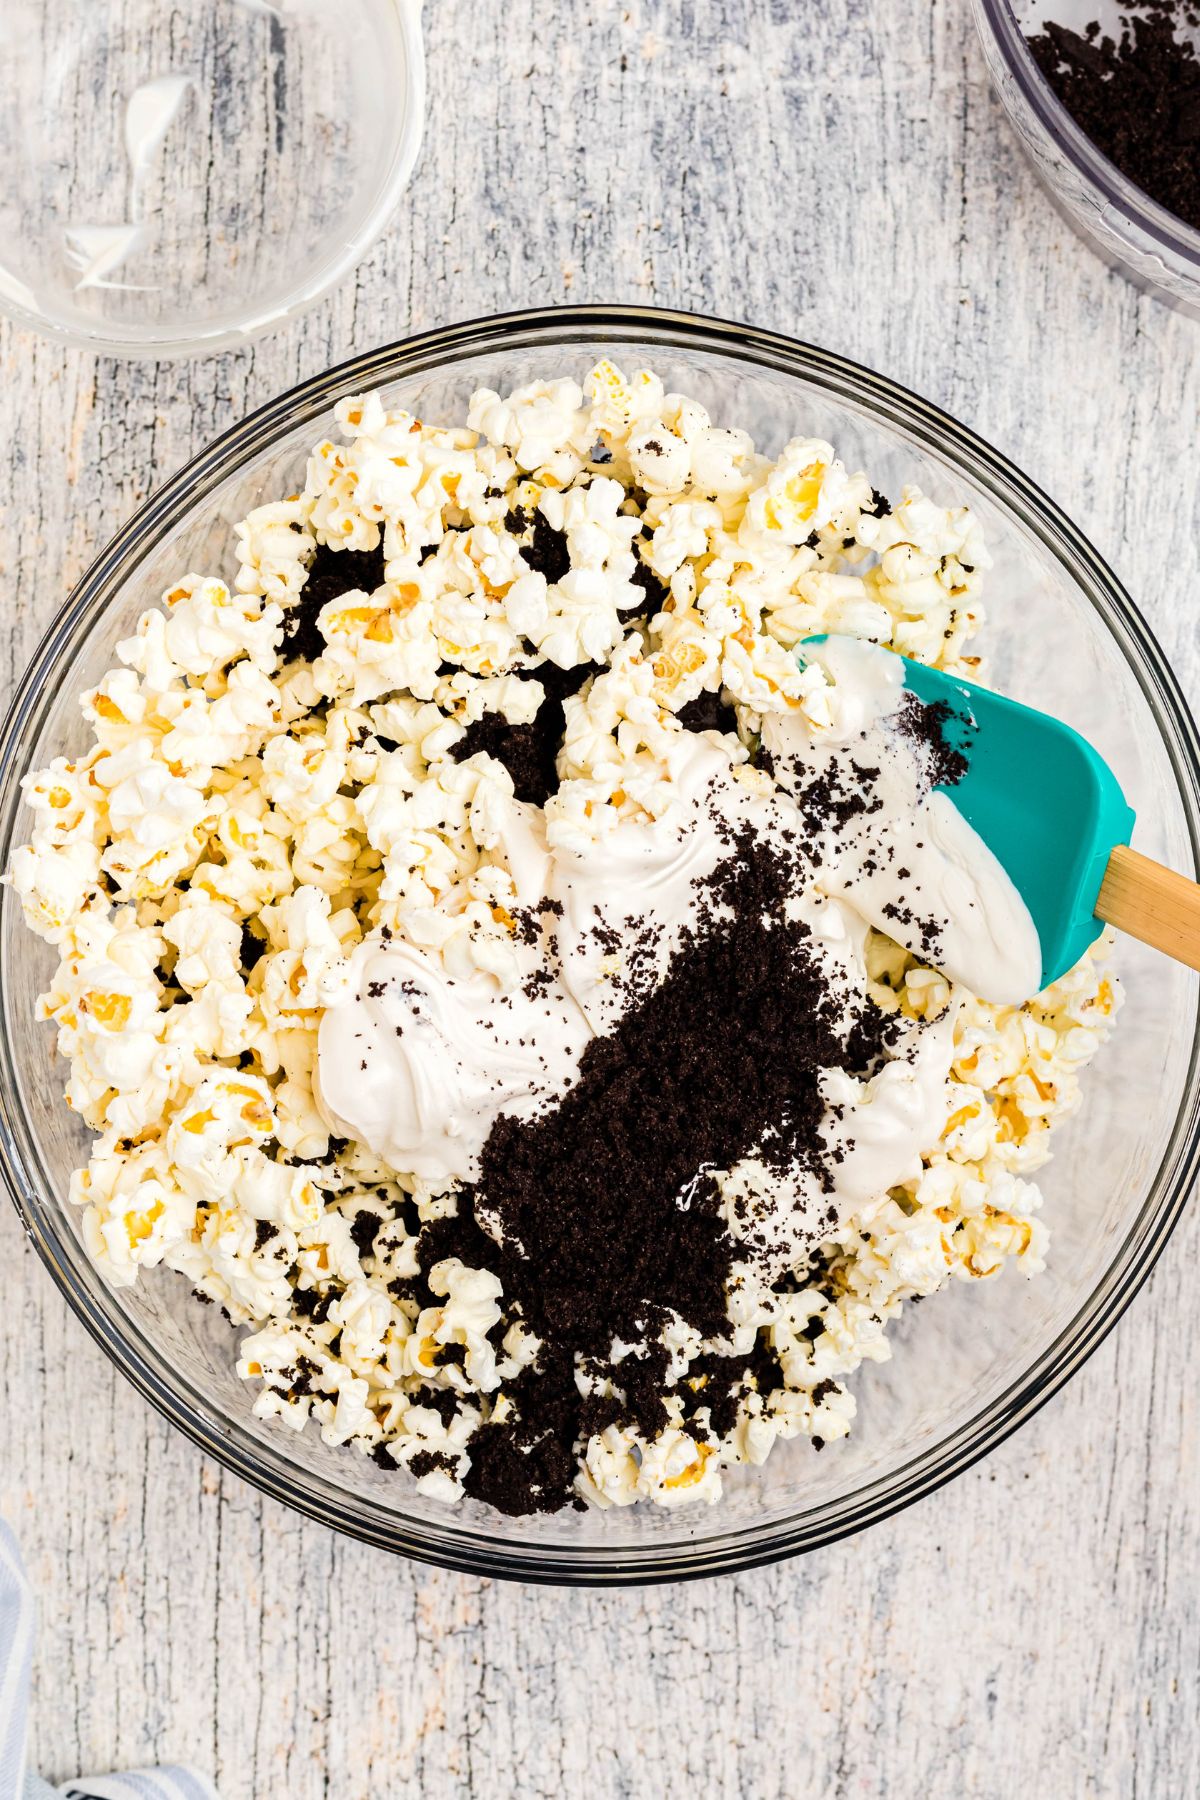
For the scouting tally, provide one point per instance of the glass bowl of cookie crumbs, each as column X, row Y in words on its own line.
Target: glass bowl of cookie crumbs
column 1105, row 98
column 528, row 1101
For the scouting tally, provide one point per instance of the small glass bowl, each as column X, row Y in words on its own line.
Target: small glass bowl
column 1122, row 223
column 181, row 175
column 971, row 1363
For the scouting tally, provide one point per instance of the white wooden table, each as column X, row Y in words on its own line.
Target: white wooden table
column 836, row 169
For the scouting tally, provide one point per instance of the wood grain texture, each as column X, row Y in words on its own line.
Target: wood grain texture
column 837, row 169
column 1157, row 905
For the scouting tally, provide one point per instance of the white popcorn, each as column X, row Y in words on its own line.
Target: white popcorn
column 535, row 422
column 380, row 642
column 617, row 405
column 274, row 549
column 301, row 775
column 203, row 735
column 208, row 627
column 134, row 1212
column 803, row 492
column 682, row 534
column 660, row 461
column 468, row 1315
column 54, row 883
column 309, row 971
column 207, row 937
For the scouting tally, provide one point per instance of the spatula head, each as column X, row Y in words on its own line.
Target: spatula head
column 1047, row 805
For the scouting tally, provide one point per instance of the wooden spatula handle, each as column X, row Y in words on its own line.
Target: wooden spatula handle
column 1151, row 903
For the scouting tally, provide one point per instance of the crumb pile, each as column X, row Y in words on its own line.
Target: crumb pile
column 324, row 754
column 1137, row 95
column 610, row 1200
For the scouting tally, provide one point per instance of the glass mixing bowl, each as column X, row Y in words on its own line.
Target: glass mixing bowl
column 180, row 175
column 969, row 1366
column 1129, row 230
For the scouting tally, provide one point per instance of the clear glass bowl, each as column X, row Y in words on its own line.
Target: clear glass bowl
column 182, row 174
column 1129, row 230
column 969, row 1366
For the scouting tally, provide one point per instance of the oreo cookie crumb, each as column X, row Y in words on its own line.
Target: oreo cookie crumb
column 364, row 1228
column 546, row 553
column 311, row 1304
column 708, row 712
column 426, row 1461
column 331, row 573
column 529, row 752
column 924, row 723
column 601, row 1217
column 656, row 592
column 254, row 947
column 1137, row 95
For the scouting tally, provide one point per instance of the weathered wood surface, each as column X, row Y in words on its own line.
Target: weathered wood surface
column 836, row 169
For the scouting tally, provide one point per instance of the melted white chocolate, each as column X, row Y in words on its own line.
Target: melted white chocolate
column 419, row 1065
column 915, row 851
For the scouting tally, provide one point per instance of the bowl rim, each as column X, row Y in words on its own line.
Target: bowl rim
column 997, row 22
column 470, row 1550
column 331, row 272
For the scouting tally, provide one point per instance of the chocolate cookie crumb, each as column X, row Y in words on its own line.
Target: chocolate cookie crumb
column 924, row 723
column 656, row 592
column 331, row 573
column 708, row 712
column 602, row 1217
column 254, row 947
column 364, row 1229
column 426, row 1461
column 547, row 553
column 1136, row 96
column 529, row 752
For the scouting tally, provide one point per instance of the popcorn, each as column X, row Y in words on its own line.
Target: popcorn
column 207, row 937
column 379, row 642
column 274, row 549
column 682, row 534
column 240, row 822
column 803, row 492
column 309, row 970
column 619, row 752
column 660, row 461
column 535, row 422
column 54, row 883
column 931, row 564
column 209, row 628
column 617, row 405
column 134, row 1212
column 469, row 1313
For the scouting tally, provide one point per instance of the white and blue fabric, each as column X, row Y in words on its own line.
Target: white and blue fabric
column 17, row 1618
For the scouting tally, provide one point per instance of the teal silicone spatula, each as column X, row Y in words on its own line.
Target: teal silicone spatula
column 1052, row 812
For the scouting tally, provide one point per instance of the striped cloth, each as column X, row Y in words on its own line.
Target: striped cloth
column 16, row 1659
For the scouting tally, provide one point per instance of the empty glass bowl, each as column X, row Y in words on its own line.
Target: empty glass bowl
column 969, row 1364
column 1130, row 231
column 182, row 174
